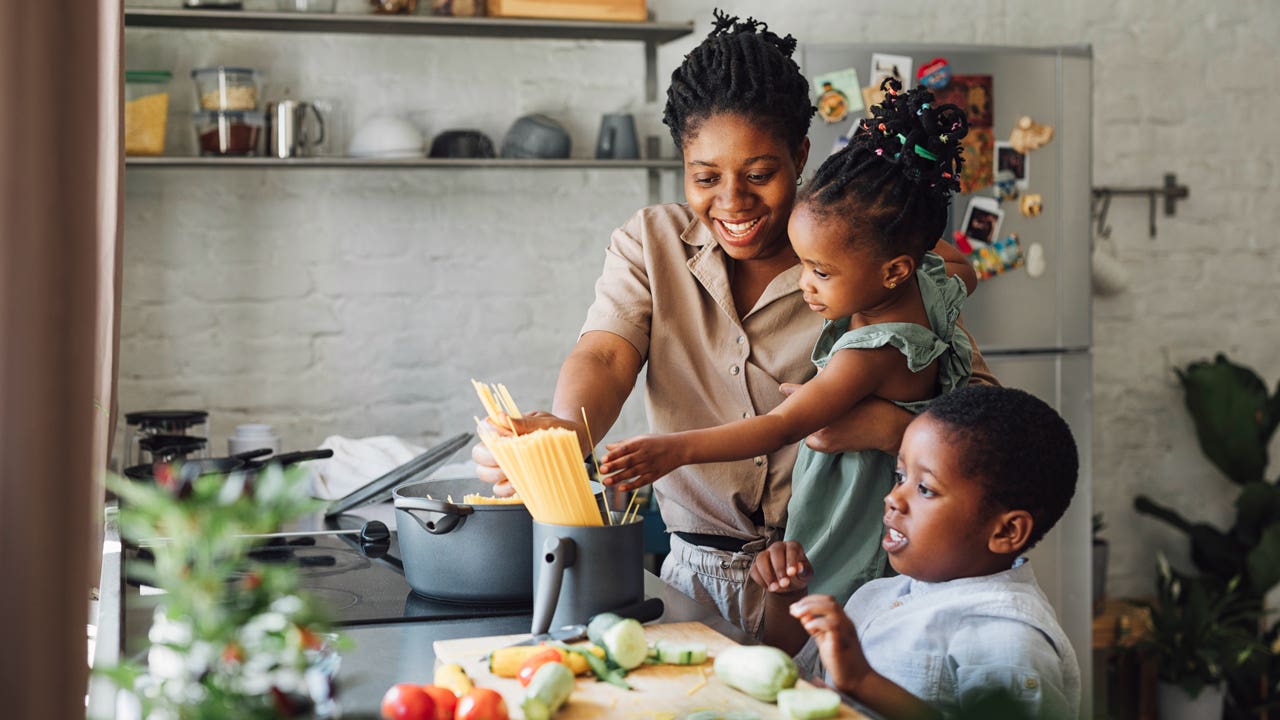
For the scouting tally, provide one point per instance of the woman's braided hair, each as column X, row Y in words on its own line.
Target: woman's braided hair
column 892, row 184
column 743, row 69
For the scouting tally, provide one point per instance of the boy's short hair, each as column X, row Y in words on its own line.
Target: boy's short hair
column 1017, row 446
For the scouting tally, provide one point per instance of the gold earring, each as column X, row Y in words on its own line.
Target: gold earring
column 892, row 284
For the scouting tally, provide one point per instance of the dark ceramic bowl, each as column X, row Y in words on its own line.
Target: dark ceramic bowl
column 461, row 144
column 536, row 136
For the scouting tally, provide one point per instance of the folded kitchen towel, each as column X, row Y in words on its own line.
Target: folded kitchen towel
column 357, row 461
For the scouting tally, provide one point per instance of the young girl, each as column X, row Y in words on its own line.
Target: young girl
column 862, row 229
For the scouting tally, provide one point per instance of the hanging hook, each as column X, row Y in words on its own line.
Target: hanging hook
column 1102, row 203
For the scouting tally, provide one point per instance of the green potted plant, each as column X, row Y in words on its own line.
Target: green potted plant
column 1235, row 420
column 1100, row 552
column 231, row 637
column 1200, row 632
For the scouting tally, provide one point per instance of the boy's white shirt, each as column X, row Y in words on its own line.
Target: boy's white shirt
column 947, row 642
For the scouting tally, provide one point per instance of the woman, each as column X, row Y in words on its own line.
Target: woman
column 706, row 293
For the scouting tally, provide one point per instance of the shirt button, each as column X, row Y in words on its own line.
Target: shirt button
column 759, row 461
column 734, row 369
column 746, row 414
column 1031, row 683
column 895, row 604
column 724, row 564
column 741, row 339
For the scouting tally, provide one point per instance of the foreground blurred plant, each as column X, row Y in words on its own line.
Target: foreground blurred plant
column 1235, row 418
column 232, row 637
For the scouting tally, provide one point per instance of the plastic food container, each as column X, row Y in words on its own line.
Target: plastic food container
column 226, row 132
column 227, row 88
column 146, row 111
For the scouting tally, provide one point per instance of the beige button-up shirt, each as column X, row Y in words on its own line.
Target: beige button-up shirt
column 665, row 289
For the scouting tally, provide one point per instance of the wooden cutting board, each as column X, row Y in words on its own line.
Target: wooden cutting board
column 660, row 692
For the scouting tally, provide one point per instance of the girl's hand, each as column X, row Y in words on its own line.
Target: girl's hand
column 639, row 461
column 829, row 625
column 487, row 465
column 782, row 568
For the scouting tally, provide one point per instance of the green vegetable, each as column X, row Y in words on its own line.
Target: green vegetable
column 599, row 668
column 722, row 715
column 757, row 670
column 673, row 653
column 600, row 623
column 549, row 688
column 624, row 643
column 808, row 703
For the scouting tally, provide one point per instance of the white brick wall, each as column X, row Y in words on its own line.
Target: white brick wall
column 360, row 302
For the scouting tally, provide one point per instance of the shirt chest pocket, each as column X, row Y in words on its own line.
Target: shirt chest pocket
column 1019, row 683
column 918, row 673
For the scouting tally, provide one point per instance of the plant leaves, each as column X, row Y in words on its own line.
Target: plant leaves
column 1263, row 562
column 1233, row 415
column 1257, row 508
column 1212, row 550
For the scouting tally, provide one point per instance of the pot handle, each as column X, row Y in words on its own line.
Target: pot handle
column 557, row 554
column 449, row 514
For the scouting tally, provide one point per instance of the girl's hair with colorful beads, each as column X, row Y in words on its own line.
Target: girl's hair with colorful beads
column 741, row 68
column 892, row 184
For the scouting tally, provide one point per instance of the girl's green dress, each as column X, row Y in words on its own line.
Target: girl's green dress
column 837, row 499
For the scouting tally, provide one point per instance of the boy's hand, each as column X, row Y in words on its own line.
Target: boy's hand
column 829, row 625
column 641, row 460
column 782, row 567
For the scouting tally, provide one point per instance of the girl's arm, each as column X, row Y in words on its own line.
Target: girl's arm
column 850, row 376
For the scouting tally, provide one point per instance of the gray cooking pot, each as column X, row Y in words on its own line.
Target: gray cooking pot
column 464, row 553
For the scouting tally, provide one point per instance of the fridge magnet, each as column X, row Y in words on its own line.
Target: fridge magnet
column 1006, row 186
column 1032, row 204
column 990, row 260
column 1036, row 263
column 982, row 220
column 1029, row 135
column 897, row 67
column 839, row 93
column 1009, row 158
column 935, row 74
column 972, row 93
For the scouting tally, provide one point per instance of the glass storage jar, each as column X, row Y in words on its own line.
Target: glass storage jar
column 227, row 88
column 146, row 111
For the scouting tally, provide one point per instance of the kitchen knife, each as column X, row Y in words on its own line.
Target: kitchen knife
column 644, row 611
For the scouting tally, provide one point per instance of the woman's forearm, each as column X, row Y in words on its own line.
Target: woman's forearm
column 597, row 377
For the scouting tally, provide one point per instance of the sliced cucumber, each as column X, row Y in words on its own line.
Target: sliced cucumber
column 625, row 644
column 548, row 690
column 677, row 653
column 808, row 703
column 600, row 623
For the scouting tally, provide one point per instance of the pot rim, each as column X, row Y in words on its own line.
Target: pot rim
column 508, row 507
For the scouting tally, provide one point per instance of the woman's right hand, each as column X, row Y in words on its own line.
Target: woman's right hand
column 782, row 568
column 487, row 468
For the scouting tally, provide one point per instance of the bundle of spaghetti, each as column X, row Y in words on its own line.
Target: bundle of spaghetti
column 545, row 467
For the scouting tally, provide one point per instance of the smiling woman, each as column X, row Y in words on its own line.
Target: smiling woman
column 706, row 295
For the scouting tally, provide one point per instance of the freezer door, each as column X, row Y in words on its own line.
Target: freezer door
column 1013, row 311
column 1063, row 560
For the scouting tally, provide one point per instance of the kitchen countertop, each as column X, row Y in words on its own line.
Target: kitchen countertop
column 383, row 654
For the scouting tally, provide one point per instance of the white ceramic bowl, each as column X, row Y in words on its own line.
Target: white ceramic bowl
column 386, row 136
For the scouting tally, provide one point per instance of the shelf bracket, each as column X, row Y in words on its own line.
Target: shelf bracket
column 1171, row 191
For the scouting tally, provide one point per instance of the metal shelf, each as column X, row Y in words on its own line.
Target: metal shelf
column 425, row 163
column 374, row 24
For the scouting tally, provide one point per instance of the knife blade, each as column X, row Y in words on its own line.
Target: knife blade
column 643, row 611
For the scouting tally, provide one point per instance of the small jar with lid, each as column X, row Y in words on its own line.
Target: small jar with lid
column 146, row 111
column 227, row 88
column 228, row 132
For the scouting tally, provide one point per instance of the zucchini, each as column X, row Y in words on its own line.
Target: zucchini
column 676, row 653
column 600, row 623
column 808, row 703
column 624, row 643
column 550, row 687
column 757, row 670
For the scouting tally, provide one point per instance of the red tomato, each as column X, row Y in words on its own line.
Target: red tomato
column 535, row 661
column 444, row 699
column 406, row 701
column 482, row 704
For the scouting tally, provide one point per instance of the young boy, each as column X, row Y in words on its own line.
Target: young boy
column 982, row 475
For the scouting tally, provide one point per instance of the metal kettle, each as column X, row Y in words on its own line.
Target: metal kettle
column 290, row 134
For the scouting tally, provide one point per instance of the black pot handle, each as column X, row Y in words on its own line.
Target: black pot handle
column 449, row 515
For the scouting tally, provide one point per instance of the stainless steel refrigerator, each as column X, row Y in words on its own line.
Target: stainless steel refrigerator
column 1032, row 324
